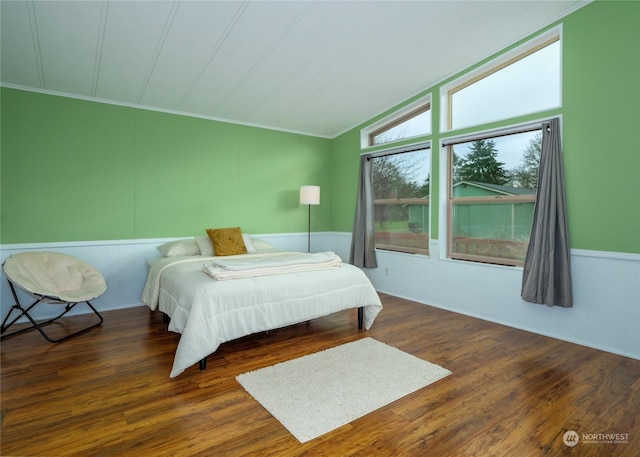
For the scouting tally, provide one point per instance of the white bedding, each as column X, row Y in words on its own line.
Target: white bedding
column 208, row 312
column 264, row 265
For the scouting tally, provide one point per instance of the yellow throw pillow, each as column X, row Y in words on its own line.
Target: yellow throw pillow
column 227, row 241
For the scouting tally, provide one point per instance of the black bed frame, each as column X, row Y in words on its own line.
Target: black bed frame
column 203, row 362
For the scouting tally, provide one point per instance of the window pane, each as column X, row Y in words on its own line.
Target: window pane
column 404, row 175
column 420, row 124
column 528, row 85
column 401, row 197
column 485, row 173
column 402, row 227
column 499, row 230
column 506, row 165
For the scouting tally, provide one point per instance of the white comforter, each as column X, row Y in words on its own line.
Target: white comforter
column 208, row 312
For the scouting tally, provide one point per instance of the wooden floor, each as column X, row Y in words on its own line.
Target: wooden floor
column 512, row 393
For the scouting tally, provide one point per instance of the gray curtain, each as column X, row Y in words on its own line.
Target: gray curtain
column 546, row 278
column 363, row 252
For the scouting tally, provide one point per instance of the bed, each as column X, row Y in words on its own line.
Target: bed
column 208, row 311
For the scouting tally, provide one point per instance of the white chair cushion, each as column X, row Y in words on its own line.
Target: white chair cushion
column 56, row 275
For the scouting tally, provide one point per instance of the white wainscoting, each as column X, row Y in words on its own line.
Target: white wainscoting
column 606, row 312
column 606, row 285
column 123, row 264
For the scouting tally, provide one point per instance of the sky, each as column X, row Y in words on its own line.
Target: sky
column 529, row 85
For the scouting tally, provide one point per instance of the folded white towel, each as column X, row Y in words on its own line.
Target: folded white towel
column 236, row 268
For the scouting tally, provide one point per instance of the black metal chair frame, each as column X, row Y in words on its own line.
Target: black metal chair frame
column 68, row 306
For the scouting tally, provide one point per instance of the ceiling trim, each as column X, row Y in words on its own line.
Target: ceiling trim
column 159, row 110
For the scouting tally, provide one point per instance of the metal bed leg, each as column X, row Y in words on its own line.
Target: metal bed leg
column 203, row 361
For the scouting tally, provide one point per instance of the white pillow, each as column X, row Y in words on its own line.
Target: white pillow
column 262, row 245
column 248, row 242
column 179, row 247
column 205, row 245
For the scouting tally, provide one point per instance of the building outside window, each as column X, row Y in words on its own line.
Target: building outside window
column 492, row 196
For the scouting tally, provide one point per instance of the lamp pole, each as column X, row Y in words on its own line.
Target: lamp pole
column 309, row 230
column 309, row 195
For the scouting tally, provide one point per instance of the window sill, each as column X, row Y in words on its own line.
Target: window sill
column 474, row 263
column 424, row 254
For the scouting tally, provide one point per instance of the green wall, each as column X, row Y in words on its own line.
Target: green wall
column 74, row 170
column 601, row 92
column 601, row 131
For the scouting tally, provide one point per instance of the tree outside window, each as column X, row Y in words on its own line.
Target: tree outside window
column 492, row 197
column 401, row 201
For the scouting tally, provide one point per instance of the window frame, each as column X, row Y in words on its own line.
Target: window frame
column 423, row 145
column 422, row 105
column 447, row 145
column 494, row 65
column 484, row 129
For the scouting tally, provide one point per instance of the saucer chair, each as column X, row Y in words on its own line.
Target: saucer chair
column 54, row 278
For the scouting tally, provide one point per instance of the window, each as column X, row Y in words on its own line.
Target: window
column 411, row 121
column 492, row 195
column 492, row 174
column 524, row 81
column 413, row 124
column 401, row 200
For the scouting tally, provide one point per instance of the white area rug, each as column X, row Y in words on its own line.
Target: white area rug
column 317, row 393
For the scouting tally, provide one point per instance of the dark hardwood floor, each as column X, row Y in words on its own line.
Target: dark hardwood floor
column 511, row 393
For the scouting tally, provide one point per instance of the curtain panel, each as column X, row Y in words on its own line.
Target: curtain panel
column 363, row 244
column 546, row 277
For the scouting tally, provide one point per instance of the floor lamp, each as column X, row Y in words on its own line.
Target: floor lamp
column 309, row 195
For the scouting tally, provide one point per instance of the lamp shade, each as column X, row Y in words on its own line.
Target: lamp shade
column 310, row 195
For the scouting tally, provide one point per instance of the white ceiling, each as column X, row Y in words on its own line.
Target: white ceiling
column 315, row 67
